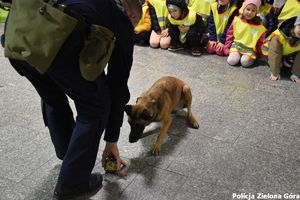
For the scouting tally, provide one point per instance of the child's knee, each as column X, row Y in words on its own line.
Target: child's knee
column 154, row 43
column 246, row 61
column 165, row 42
column 233, row 59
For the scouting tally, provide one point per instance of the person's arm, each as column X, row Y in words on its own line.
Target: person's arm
column 117, row 75
column 275, row 55
column 212, row 28
column 146, row 26
column 154, row 20
column 223, row 36
column 229, row 39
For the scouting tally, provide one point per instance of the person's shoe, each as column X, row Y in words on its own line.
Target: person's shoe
column 196, row 52
column 175, row 47
column 62, row 192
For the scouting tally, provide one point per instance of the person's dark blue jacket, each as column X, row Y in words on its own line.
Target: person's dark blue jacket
column 121, row 60
column 212, row 28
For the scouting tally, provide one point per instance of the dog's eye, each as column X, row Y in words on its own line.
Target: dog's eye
column 145, row 115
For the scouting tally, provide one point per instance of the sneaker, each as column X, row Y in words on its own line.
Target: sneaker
column 196, row 51
column 63, row 192
column 175, row 47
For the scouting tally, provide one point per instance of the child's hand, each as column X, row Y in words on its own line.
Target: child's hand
column 165, row 33
column 183, row 29
column 220, row 46
column 212, row 43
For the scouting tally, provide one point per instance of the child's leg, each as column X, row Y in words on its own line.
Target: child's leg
column 211, row 47
column 234, row 58
column 165, row 42
column 154, row 39
column 246, row 61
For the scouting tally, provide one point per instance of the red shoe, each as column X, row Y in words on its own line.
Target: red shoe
column 175, row 47
column 196, row 51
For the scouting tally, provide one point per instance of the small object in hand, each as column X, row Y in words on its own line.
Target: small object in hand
column 110, row 164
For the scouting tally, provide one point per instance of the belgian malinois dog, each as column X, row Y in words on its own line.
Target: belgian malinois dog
column 156, row 105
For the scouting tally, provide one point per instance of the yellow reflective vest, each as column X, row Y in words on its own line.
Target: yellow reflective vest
column 161, row 12
column 246, row 37
column 287, row 48
column 221, row 19
column 290, row 9
column 201, row 7
column 145, row 9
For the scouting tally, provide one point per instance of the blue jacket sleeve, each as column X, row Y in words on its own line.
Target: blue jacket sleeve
column 212, row 28
column 118, row 73
column 223, row 36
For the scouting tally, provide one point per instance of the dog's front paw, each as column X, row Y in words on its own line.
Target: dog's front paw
column 193, row 122
column 195, row 125
column 156, row 150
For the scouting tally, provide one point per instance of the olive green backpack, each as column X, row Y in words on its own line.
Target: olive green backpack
column 35, row 31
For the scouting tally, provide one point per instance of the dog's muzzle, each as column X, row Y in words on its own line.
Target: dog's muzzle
column 136, row 132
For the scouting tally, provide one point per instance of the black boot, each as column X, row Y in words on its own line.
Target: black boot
column 63, row 192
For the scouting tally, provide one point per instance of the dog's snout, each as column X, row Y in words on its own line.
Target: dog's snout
column 136, row 132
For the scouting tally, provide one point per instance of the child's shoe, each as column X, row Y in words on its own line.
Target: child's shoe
column 196, row 51
column 175, row 47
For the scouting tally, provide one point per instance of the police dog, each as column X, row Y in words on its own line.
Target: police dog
column 156, row 105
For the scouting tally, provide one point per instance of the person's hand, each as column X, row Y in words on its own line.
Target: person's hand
column 212, row 43
column 165, row 33
column 183, row 29
column 111, row 149
column 220, row 46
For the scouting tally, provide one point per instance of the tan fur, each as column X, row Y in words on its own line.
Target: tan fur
column 164, row 96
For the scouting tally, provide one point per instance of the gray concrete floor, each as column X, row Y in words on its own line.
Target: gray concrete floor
column 248, row 140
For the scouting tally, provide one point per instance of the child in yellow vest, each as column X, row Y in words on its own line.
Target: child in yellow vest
column 142, row 30
column 185, row 27
column 245, row 36
column 160, row 34
column 222, row 13
column 201, row 7
column 285, row 41
column 287, row 10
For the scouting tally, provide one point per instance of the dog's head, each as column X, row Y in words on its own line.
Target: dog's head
column 139, row 116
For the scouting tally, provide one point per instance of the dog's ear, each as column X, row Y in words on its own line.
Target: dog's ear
column 145, row 115
column 128, row 109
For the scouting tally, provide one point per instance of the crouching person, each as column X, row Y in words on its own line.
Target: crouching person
column 282, row 43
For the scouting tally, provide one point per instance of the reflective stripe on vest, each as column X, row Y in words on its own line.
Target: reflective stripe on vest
column 161, row 12
column 290, row 9
column 202, row 7
column 221, row 19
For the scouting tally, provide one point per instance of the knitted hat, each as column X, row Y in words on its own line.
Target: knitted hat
column 297, row 22
column 182, row 4
column 257, row 3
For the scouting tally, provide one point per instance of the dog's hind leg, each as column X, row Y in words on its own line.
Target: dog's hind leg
column 188, row 99
column 163, row 131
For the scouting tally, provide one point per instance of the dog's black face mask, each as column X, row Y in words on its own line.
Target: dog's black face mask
column 138, row 120
column 136, row 132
